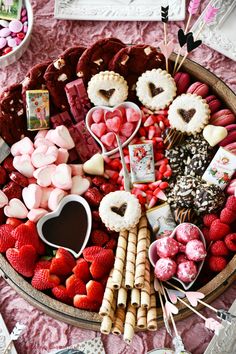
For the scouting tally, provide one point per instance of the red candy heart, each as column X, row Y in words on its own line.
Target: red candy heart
column 98, row 129
column 108, row 139
column 113, row 124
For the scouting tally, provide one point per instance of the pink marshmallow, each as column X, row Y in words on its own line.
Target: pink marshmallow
column 42, row 141
column 44, row 175
column 61, row 137
column 61, row 177
column 76, row 170
column 55, row 197
column 23, row 165
column 22, row 147
column 36, row 214
column 79, row 185
column 15, row 209
column 40, row 134
column 44, row 155
column 45, row 196
column 32, row 196
column 62, row 157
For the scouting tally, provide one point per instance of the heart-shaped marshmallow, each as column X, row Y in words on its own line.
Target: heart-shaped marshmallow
column 44, row 155
column 32, row 196
column 132, row 115
column 114, row 124
column 15, row 209
column 61, row 177
column 36, row 214
column 23, row 165
column 45, row 196
column 41, row 134
column 79, row 185
column 98, row 115
column 62, row 156
column 61, row 137
column 99, row 129
column 44, row 175
column 214, row 134
column 3, row 199
column 42, row 141
column 95, row 165
column 22, row 147
column 55, row 197
column 127, row 129
column 108, row 139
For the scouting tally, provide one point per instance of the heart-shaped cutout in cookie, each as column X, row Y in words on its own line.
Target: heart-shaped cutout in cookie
column 187, row 115
column 119, row 210
column 107, row 93
column 69, row 226
column 155, row 90
column 127, row 112
column 153, row 257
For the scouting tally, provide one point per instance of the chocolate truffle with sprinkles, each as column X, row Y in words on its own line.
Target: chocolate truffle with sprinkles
column 184, row 191
column 208, row 198
column 176, row 157
column 196, row 165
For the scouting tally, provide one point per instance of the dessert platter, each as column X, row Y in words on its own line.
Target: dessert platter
column 117, row 175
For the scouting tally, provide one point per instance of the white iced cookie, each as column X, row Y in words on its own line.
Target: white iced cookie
column 120, row 211
column 156, row 89
column 107, row 88
column 189, row 113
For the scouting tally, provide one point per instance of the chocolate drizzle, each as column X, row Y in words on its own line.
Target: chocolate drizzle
column 155, row 90
column 172, row 137
column 184, row 215
column 187, row 115
column 120, row 210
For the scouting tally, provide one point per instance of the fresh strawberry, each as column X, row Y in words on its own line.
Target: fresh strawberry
column 42, row 264
column 227, row 216
column 217, row 263
column 208, row 219
column 218, row 248
column 98, row 181
column 74, row 286
column 62, row 263
column 6, row 239
column 230, row 241
column 8, row 164
column 23, row 260
column 90, row 253
column 95, row 291
column 12, row 190
column 218, row 230
column 84, row 303
column 107, row 188
column 111, row 244
column 43, row 280
column 93, row 196
column 99, row 237
column 205, row 232
column 14, row 222
column 3, row 175
column 18, row 178
column 26, row 234
column 81, row 270
column 60, row 293
column 231, row 203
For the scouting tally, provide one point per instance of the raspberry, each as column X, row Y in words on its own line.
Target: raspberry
column 218, row 230
column 231, row 203
column 99, row 237
column 217, row 263
column 227, row 216
column 111, row 244
column 219, row 248
column 3, row 175
column 205, row 232
column 208, row 219
column 230, row 241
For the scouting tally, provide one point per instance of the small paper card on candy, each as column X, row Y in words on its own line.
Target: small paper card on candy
column 4, row 150
column 221, row 168
column 142, row 163
column 37, row 109
column 160, row 219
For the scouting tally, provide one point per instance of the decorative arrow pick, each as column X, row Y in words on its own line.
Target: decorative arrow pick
column 225, row 316
column 14, row 335
column 213, row 325
column 164, row 13
column 165, row 19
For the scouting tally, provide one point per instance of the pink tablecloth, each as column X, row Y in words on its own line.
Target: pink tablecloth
column 49, row 38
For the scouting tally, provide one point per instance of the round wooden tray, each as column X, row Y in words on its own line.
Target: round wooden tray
column 90, row 320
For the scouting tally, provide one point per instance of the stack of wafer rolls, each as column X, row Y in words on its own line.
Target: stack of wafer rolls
column 120, row 259
column 141, row 253
column 130, row 258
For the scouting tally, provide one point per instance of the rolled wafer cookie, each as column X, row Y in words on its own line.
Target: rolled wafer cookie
column 119, row 260
column 152, row 311
column 122, row 296
column 119, row 319
column 108, row 297
column 107, row 320
column 141, row 253
column 130, row 258
column 142, row 318
column 145, row 291
column 135, row 297
column 130, row 320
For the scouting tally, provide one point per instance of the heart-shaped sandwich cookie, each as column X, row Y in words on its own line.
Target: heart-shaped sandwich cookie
column 107, row 88
column 189, row 113
column 120, row 211
column 68, row 226
column 156, row 89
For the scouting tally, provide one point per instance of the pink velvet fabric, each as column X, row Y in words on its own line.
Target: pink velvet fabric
column 49, row 38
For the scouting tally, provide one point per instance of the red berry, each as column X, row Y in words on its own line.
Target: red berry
column 81, row 270
column 18, row 178
column 27, row 234
column 84, row 303
column 218, row 230
column 6, row 239
column 8, row 164
column 61, row 294
column 219, row 248
column 23, row 260
column 3, row 175
column 12, row 190
column 205, row 232
column 43, row 280
column 90, row 253
column 227, row 216
column 93, row 196
column 111, row 244
column 208, row 219
column 99, row 237
column 217, row 263
column 62, row 263
column 14, row 222
column 231, row 203
column 42, row 264
column 74, row 286
column 95, row 291
column 230, row 241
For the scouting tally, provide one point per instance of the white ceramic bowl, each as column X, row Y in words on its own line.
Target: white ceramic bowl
column 13, row 56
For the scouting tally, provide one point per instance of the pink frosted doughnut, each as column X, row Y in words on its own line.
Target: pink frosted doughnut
column 187, row 271
column 195, row 250
column 167, row 247
column 199, row 89
column 186, row 232
column 165, row 268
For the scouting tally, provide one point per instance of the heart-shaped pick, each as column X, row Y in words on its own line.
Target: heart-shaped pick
column 214, row 134
column 173, row 295
column 194, row 296
column 166, row 49
column 58, row 228
column 182, row 37
column 191, row 44
column 170, row 308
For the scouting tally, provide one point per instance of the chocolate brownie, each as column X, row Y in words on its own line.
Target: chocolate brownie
column 97, row 57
